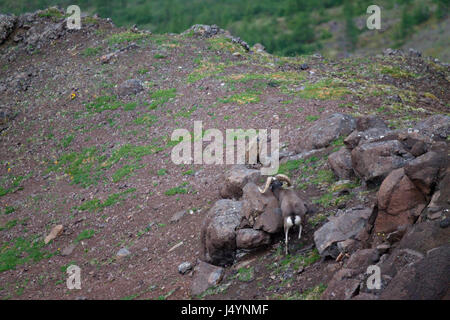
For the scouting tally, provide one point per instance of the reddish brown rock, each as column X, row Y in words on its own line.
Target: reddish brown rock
column 423, row 171
column 261, row 210
column 236, row 179
column 399, row 202
column 205, row 276
column 218, row 233
column 250, row 238
column 341, row 163
column 372, row 162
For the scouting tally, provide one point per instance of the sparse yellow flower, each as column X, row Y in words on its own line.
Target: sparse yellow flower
column 9, row 169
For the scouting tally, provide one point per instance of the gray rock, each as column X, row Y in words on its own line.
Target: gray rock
column 436, row 126
column 7, row 23
column 67, row 251
column 341, row 163
column 129, row 87
column 325, row 131
column 250, row 238
column 425, row 279
column 342, row 227
column 357, row 138
column 177, row 216
column 205, row 276
column 260, row 211
column 236, row 179
column 184, row 267
column 218, row 232
column 372, row 162
column 364, row 123
column 123, row 252
column 343, row 286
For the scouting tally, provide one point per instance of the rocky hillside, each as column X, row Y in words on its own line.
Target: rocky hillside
column 86, row 176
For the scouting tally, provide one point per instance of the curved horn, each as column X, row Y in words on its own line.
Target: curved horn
column 267, row 185
column 284, row 178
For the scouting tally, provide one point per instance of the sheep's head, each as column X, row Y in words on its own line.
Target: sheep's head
column 279, row 181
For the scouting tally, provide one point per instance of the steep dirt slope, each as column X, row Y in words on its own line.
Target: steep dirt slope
column 75, row 153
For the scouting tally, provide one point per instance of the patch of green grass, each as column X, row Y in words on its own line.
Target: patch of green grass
column 147, row 120
column 177, row 190
column 13, row 183
column 8, row 210
column 289, row 166
column 103, row 103
column 143, row 70
column 314, row 293
column 52, row 13
column 130, row 106
column 9, row 225
column 161, row 172
column 397, row 72
column 159, row 56
column 242, row 98
column 20, row 251
column 126, row 36
column 311, row 118
column 96, row 205
column 91, row 52
column 65, row 142
column 323, row 90
column 160, row 97
column 85, row 234
column 323, row 177
column 125, row 171
column 246, row 274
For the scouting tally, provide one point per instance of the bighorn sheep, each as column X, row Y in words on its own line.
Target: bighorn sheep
column 293, row 209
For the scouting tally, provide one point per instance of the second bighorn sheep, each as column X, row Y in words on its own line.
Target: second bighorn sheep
column 293, row 209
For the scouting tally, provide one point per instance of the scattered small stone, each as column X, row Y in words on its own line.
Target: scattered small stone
column 444, row 223
column 123, row 252
column 67, row 251
column 177, row 216
column 184, row 267
column 56, row 231
column 304, row 66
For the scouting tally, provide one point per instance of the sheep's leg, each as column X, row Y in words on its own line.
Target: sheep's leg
column 287, row 240
column 299, row 231
column 287, row 225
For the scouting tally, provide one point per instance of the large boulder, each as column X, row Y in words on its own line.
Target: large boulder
column 364, row 123
column 414, row 245
column 346, row 225
column 357, row 138
column 218, row 233
column 261, row 211
column 372, row 162
column 251, row 238
column 205, row 276
column 426, row 279
column 423, row 171
column 436, row 127
column 236, row 179
column 341, row 163
column 399, row 202
column 7, row 23
column 343, row 286
column 325, row 131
